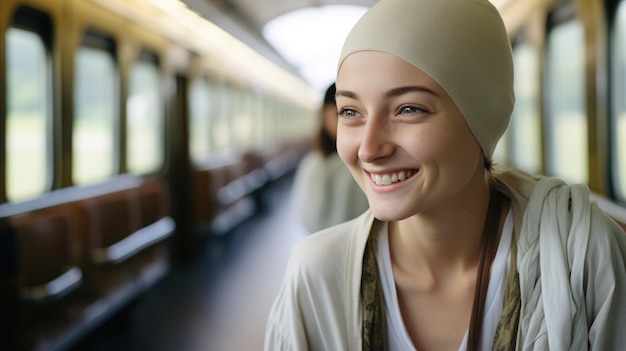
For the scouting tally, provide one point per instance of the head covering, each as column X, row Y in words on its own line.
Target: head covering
column 461, row 44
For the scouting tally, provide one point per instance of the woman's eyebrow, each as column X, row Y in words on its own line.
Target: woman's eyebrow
column 346, row 93
column 408, row 89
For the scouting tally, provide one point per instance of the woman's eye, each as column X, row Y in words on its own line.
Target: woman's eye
column 410, row 109
column 346, row 112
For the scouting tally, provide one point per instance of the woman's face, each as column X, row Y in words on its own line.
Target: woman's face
column 402, row 136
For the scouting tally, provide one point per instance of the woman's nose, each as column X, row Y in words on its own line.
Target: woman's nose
column 376, row 141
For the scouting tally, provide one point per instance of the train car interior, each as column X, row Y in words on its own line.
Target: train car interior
column 139, row 137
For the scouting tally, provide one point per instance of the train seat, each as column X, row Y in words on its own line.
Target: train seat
column 282, row 160
column 49, row 253
column 122, row 228
column 202, row 205
column 233, row 185
column 154, row 197
column 256, row 176
column 224, row 193
column 83, row 254
column 233, row 203
column 50, row 276
column 124, row 223
column 112, row 219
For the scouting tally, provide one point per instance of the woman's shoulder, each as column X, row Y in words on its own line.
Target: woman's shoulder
column 314, row 309
column 555, row 206
column 328, row 251
column 545, row 204
column 325, row 247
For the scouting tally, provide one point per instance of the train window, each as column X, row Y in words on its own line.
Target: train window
column 200, row 118
column 277, row 119
column 525, row 128
column 95, row 111
column 619, row 102
column 221, row 124
column 242, row 119
column 566, row 123
column 256, row 109
column 269, row 111
column 28, row 118
column 144, row 123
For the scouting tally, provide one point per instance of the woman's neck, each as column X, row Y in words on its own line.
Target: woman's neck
column 443, row 241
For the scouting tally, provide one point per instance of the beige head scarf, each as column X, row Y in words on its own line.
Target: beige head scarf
column 461, row 44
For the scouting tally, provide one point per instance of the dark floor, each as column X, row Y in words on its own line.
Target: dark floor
column 220, row 303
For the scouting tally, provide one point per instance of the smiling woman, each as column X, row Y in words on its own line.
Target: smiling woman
column 400, row 114
column 452, row 254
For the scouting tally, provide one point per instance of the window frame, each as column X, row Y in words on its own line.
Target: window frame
column 147, row 57
column 38, row 22
column 100, row 40
column 561, row 15
column 617, row 190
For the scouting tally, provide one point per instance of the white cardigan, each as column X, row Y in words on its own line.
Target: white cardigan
column 571, row 265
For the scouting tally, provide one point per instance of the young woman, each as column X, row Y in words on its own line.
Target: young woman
column 452, row 255
column 324, row 192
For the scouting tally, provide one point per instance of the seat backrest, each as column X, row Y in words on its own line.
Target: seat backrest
column 112, row 217
column 49, row 242
column 154, row 198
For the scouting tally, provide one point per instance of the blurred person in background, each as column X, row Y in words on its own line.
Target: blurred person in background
column 325, row 193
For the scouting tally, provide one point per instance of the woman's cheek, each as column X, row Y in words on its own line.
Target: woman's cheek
column 347, row 144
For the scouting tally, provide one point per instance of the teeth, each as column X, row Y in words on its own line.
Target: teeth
column 387, row 179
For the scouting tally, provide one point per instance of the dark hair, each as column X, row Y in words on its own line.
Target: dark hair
column 489, row 165
column 329, row 97
column 324, row 141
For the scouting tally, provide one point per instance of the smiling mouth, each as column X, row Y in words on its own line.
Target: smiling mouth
column 391, row 178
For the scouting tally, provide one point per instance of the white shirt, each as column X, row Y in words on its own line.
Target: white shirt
column 398, row 337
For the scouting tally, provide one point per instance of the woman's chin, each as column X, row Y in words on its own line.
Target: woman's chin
column 388, row 215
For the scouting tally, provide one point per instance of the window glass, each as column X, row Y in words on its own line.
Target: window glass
column 266, row 119
column 256, row 124
column 144, row 123
column 566, row 120
column 221, row 125
column 269, row 113
column 27, row 115
column 200, row 117
column 242, row 119
column 279, row 113
column 619, row 102
column 95, row 116
column 525, row 127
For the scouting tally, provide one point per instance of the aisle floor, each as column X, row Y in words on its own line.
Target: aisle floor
column 221, row 302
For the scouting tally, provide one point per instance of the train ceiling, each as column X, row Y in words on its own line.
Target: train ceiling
column 258, row 12
column 245, row 19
